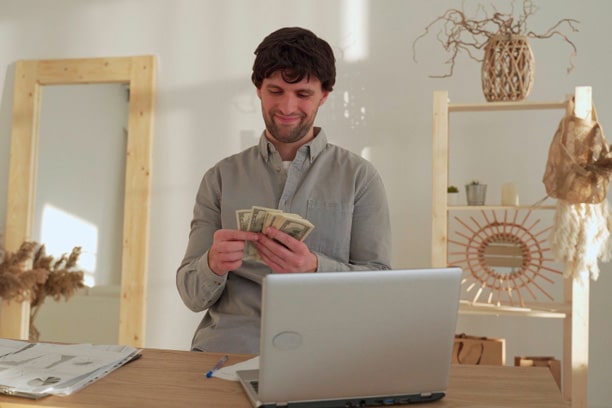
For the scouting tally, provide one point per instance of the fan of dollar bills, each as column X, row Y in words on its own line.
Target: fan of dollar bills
column 257, row 218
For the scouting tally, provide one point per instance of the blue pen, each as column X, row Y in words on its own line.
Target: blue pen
column 216, row 367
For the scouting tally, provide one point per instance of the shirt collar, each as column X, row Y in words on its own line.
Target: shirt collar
column 314, row 147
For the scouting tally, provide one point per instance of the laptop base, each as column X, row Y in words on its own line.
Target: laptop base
column 361, row 402
column 248, row 379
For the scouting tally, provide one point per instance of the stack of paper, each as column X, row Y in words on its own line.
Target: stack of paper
column 35, row 370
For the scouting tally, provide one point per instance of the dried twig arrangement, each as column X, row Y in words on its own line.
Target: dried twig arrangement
column 460, row 33
column 31, row 275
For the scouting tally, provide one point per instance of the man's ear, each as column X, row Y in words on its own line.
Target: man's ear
column 324, row 98
column 259, row 93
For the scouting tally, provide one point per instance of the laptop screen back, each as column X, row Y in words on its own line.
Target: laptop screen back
column 357, row 334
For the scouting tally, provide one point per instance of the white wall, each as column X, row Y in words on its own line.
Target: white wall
column 207, row 109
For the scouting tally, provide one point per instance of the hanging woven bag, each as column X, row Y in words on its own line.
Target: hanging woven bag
column 579, row 165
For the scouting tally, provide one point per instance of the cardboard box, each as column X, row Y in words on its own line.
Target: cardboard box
column 546, row 361
column 479, row 350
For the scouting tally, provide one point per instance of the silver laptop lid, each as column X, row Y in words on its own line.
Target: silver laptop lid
column 357, row 334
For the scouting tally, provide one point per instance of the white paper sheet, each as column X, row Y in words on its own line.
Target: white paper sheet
column 229, row 372
column 42, row 368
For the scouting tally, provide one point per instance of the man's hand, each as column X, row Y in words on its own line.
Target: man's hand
column 227, row 249
column 283, row 253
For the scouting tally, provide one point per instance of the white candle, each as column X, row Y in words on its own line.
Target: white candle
column 510, row 194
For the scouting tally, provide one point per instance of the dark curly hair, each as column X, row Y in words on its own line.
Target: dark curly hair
column 297, row 53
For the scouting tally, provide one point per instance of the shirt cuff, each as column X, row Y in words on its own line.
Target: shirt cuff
column 211, row 280
column 326, row 264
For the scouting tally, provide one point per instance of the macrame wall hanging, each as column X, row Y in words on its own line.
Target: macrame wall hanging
column 577, row 174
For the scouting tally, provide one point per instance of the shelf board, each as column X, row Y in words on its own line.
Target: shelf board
column 546, row 310
column 499, row 207
column 505, row 106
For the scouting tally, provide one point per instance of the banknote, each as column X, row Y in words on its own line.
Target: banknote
column 257, row 218
column 243, row 219
column 298, row 228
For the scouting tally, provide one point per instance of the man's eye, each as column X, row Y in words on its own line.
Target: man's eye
column 304, row 95
column 275, row 92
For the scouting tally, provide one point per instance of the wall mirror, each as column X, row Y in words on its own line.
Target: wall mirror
column 138, row 74
column 505, row 255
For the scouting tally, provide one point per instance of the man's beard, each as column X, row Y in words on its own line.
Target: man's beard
column 288, row 135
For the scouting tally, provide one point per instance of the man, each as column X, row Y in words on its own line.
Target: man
column 294, row 169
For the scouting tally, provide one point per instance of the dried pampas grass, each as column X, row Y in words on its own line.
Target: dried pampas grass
column 31, row 275
column 581, row 236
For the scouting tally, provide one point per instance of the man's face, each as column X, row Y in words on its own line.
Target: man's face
column 289, row 110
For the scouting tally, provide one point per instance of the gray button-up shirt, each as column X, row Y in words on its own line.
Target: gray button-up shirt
column 341, row 193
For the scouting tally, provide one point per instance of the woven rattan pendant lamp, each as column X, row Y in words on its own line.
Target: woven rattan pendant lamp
column 507, row 68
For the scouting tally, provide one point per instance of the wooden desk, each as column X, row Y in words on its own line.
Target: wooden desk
column 176, row 379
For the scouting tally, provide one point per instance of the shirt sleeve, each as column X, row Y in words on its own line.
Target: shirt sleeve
column 198, row 286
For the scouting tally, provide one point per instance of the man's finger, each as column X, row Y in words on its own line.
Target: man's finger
column 280, row 237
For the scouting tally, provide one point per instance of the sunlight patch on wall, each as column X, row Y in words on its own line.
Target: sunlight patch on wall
column 61, row 231
column 354, row 29
column 366, row 153
column 355, row 114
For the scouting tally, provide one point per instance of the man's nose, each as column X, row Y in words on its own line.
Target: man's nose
column 288, row 103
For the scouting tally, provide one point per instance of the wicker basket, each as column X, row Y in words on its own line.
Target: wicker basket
column 507, row 68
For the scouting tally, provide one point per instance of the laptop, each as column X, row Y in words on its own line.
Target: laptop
column 353, row 339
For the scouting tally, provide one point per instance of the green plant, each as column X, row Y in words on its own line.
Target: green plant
column 474, row 182
column 452, row 189
column 459, row 33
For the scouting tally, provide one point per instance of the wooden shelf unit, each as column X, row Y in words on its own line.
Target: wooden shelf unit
column 575, row 307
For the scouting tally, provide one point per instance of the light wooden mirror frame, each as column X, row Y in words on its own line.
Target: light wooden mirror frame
column 138, row 73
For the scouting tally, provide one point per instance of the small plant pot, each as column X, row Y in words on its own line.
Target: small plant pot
column 475, row 194
column 452, row 198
